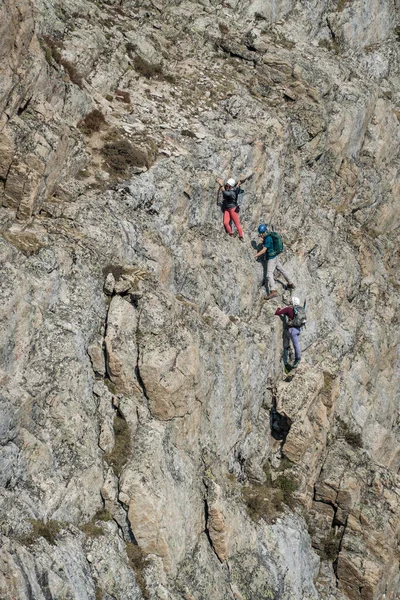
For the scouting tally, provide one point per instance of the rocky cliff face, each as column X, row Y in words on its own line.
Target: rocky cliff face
column 151, row 444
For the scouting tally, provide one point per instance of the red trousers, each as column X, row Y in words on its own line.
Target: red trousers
column 231, row 215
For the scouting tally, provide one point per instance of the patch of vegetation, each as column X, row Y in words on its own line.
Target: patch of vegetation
column 145, row 68
column 121, row 155
column 325, row 44
column 341, row 5
column 353, row 438
column 52, row 50
column 331, row 547
column 92, row 530
column 137, row 562
column 188, row 133
column 48, row 530
column 268, row 499
column 208, row 320
column 329, row 45
column 169, row 78
column 287, row 486
column 94, row 121
column 285, row 463
column 103, row 515
column 110, row 385
column 119, row 454
column 231, row 477
column 328, row 382
column 261, row 502
column 98, row 593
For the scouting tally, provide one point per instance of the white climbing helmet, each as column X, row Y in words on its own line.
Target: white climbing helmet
column 295, row 301
column 231, row 182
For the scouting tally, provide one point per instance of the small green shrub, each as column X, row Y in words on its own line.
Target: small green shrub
column 110, row 385
column 262, row 501
column 137, row 562
column 48, row 530
column 145, row 68
column 324, row 43
column 353, row 438
column 331, row 546
column 72, row 71
column 52, row 50
column 98, row 593
column 119, row 454
column 103, row 515
column 342, row 4
column 267, row 500
column 94, row 121
column 149, row 70
column 188, row 133
column 92, row 530
column 287, row 485
column 329, row 45
column 169, row 78
column 120, row 155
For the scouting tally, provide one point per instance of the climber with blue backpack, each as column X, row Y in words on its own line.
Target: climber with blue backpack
column 295, row 319
column 273, row 245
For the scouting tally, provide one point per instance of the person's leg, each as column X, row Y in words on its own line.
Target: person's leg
column 236, row 220
column 295, row 337
column 286, row 345
column 282, row 270
column 227, row 218
column 271, row 264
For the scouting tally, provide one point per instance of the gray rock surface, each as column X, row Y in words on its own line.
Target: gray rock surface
column 151, row 445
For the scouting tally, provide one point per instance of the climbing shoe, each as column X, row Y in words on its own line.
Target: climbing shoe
column 241, row 238
column 295, row 364
column 271, row 295
column 291, row 286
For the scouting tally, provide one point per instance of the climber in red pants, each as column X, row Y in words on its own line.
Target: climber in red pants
column 230, row 193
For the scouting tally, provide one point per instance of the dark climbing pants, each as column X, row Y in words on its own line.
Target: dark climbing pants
column 291, row 334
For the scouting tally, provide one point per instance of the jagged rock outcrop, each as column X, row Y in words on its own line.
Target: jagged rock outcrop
column 151, row 445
